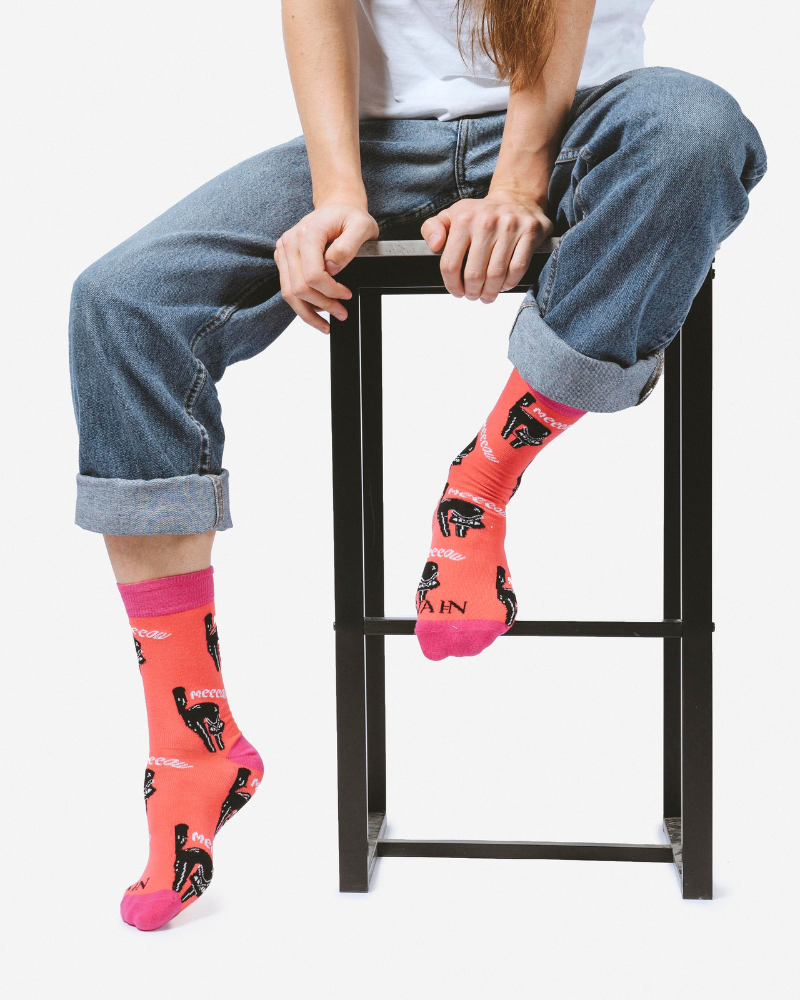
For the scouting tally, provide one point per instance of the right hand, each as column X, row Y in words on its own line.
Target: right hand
column 310, row 253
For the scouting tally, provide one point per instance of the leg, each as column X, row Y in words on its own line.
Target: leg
column 372, row 435
column 696, row 679
column 654, row 173
column 154, row 325
column 348, row 544
column 145, row 557
column 190, row 777
column 465, row 598
column 672, row 581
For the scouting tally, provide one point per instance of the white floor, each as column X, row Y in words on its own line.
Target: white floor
column 536, row 739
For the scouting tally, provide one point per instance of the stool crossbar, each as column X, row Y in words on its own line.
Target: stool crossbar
column 408, row 267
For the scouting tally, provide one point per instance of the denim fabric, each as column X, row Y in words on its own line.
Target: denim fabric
column 653, row 173
column 180, row 505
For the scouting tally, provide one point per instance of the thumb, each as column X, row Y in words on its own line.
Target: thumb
column 434, row 231
column 346, row 246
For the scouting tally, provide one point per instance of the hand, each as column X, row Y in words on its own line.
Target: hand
column 498, row 233
column 310, row 253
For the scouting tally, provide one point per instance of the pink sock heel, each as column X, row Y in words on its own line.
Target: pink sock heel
column 243, row 752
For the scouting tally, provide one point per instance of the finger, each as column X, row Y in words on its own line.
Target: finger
column 308, row 315
column 453, row 258
column 302, row 290
column 283, row 270
column 346, row 246
column 521, row 259
column 311, row 246
column 480, row 250
column 434, row 231
column 497, row 267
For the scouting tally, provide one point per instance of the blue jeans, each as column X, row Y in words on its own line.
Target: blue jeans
column 653, row 174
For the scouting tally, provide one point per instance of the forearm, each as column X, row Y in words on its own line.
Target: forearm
column 537, row 115
column 321, row 41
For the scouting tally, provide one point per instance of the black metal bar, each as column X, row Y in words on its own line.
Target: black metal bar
column 372, row 444
column 428, row 290
column 412, row 275
column 696, row 679
column 348, row 554
column 523, row 849
column 648, row 630
column 672, row 578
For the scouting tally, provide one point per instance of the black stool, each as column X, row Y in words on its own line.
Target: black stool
column 409, row 268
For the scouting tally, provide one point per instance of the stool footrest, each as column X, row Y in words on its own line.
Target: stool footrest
column 523, row 849
column 669, row 629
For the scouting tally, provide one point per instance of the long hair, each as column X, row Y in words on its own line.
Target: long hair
column 516, row 35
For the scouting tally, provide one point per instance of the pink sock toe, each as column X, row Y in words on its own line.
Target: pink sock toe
column 440, row 639
column 151, row 910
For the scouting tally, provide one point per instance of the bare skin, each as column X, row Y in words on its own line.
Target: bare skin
column 147, row 557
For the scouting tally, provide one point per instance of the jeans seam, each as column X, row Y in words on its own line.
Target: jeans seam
column 551, row 279
column 652, row 382
column 221, row 317
column 587, row 155
column 462, row 141
column 219, row 499
column 191, row 398
column 225, row 313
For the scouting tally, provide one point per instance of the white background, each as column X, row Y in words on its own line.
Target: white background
column 114, row 112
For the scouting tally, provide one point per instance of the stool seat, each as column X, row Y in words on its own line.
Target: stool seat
column 419, row 248
column 409, row 267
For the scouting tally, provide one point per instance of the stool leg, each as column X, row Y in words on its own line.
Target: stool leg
column 696, row 689
column 672, row 588
column 372, row 436
column 348, row 554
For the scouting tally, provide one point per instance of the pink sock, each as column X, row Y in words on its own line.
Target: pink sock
column 465, row 598
column 200, row 771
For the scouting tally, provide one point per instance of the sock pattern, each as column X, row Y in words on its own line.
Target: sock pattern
column 201, row 771
column 465, row 598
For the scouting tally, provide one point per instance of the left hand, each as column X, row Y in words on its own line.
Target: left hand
column 497, row 233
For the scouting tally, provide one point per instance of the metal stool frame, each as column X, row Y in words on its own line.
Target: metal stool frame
column 409, row 268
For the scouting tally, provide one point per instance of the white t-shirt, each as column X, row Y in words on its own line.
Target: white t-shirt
column 411, row 66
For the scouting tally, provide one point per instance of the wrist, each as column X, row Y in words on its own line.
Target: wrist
column 340, row 194
column 531, row 196
column 523, row 176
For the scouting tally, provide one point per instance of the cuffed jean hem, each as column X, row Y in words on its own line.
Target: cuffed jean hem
column 180, row 505
column 557, row 370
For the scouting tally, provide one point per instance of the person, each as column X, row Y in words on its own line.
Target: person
column 488, row 124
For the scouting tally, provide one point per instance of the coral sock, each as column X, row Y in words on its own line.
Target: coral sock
column 201, row 770
column 465, row 598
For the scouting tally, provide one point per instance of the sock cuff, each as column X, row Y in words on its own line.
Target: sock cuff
column 168, row 595
column 562, row 408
